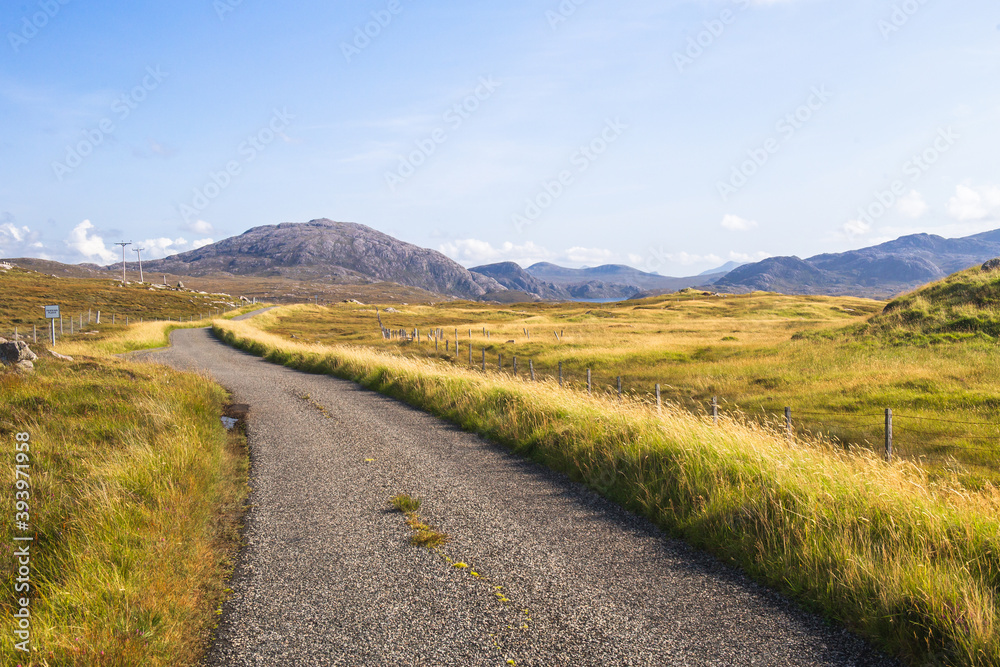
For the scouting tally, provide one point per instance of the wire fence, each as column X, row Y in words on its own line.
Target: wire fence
column 89, row 322
column 894, row 433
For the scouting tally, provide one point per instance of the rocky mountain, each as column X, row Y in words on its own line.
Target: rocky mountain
column 516, row 279
column 324, row 250
column 878, row 271
column 613, row 281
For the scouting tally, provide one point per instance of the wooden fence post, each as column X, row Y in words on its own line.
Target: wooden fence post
column 659, row 403
column 531, row 367
column 888, row 434
column 788, row 422
column 500, row 362
column 560, row 373
column 484, row 359
column 590, row 386
column 715, row 410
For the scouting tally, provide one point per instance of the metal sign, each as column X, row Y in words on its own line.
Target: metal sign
column 52, row 312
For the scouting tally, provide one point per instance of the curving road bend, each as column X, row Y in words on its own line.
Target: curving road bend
column 328, row 576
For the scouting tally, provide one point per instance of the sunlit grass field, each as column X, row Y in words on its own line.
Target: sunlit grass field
column 137, row 490
column 756, row 353
column 908, row 559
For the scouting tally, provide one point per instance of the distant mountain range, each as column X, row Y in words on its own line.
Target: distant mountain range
column 612, row 281
column 343, row 253
column 880, row 271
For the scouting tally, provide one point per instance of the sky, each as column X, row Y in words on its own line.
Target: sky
column 670, row 135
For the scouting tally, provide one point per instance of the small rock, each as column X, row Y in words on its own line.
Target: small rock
column 180, row 285
column 391, row 310
column 13, row 353
column 60, row 356
column 992, row 265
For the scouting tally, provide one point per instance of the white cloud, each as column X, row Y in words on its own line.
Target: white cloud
column 200, row 227
column 17, row 241
column 163, row 247
column 913, row 205
column 971, row 203
column 473, row 252
column 687, row 259
column 89, row 245
column 590, row 255
column 735, row 223
column 855, row 228
column 746, row 258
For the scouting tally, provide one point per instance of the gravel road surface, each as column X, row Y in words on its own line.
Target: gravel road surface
column 328, row 576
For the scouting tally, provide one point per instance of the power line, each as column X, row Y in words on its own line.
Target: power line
column 123, row 244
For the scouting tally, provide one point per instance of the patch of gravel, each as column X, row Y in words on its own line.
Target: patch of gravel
column 328, row 576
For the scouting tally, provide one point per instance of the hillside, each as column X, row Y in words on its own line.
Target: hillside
column 330, row 252
column 880, row 271
column 513, row 277
column 964, row 304
column 612, row 281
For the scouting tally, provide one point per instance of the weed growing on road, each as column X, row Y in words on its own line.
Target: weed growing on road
column 423, row 534
column 406, row 504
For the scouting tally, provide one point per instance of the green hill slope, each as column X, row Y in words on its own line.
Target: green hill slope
column 965, row 304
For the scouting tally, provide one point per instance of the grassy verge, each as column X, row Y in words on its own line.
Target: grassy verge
column 910, row 562
column 136, row 494
column 757, row 353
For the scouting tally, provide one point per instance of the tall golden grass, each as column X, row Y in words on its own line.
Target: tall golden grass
column 908, row 561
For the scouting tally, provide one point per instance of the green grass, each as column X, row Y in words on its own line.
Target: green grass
column 136, row 494
column 908, row 560
column 816, row 355
column 406, row 504
column 423, row 535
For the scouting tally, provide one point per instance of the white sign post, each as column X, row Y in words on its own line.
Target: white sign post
column 52, row 314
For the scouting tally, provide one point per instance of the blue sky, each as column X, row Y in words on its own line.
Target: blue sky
column 673, row 136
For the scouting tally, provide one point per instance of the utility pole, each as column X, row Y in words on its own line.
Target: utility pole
column 138, row 251
column 124, row 245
